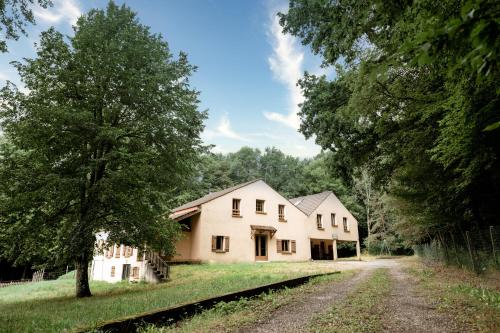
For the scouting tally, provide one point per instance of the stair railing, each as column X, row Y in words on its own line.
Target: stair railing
column 158, row 263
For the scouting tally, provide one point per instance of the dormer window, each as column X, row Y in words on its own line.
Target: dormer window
column 259, row 206
column 236, row 207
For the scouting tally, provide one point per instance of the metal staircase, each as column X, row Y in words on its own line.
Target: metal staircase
column 158, row 265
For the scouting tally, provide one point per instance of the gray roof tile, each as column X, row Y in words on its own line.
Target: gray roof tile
column 309, row 203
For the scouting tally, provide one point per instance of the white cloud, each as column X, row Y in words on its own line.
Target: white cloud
column 62, row 10
column 286, row 64
column 225, row 130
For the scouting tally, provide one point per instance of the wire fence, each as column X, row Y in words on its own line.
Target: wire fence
column 40, row 275
column 477, row 250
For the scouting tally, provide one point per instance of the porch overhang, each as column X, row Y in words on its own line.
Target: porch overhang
column 185, row 213
column 260, row 229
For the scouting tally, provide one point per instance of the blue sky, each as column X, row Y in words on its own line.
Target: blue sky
column 247, row 69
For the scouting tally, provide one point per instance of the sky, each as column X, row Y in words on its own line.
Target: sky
column 247, row 68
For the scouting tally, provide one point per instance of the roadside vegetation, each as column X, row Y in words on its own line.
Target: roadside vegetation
column 472, row 300
column 50, row 306
column 233, row 315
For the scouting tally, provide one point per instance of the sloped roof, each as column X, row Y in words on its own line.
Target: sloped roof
column 212, row 196
column 184, row 213
column 309, row 203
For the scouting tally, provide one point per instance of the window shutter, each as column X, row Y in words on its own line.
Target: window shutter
column 278, row 245
column 294, row 246
column 226, row 243
column 214, row 243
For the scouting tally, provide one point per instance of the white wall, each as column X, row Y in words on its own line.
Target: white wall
column 216, row 220
column 332, row 205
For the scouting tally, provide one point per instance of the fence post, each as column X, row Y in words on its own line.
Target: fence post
column 470, row 251
column 455, row 249
column 493, row 245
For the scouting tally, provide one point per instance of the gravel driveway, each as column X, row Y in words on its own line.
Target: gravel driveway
column 408, row 311
column 295, row 317
column 405, row 309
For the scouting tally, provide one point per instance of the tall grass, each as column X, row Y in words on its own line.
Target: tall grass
column 50, row 306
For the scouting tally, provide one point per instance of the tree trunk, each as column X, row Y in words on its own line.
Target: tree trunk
column 82, row 276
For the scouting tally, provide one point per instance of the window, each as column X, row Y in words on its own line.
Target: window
column 112, row 271
column 259, row 206
column 236, row 207
column 140, row 255
column 135, row 272
column 281, row 213
column 117, row 252
column 334, row 221
column 127, row 252
column 110, row 251
column 319, row 221
column 286, row 246
column 346, row 225
column 220, row 243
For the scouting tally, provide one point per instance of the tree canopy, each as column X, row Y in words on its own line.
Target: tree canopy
column 14, row 16
column 415, row 101
column 108, row 131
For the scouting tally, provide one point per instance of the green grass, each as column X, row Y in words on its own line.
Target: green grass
column 230, row 316
column 473, row 301
column 49, row 306
column 359, row 311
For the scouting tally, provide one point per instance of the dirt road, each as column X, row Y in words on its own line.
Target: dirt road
column 405, row 309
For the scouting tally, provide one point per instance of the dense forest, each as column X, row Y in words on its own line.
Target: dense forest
column 414, row 104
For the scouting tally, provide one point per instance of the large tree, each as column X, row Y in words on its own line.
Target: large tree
column 106, row 134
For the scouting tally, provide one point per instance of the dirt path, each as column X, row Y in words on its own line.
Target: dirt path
column 405, row 309
column 295, row 317
column 409, row 311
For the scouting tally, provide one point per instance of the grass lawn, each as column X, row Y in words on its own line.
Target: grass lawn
column 468, row 298
column 50, row 306
column 231, row 316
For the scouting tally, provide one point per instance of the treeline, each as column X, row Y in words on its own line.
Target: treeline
column 292, row 177
column 414, row 105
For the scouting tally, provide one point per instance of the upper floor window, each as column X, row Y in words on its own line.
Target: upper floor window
column 281, row 212
column 334, row 220
column 259, row 206
column 236, row 207
column 319, row 221
column 346, row 224
column 117, row 252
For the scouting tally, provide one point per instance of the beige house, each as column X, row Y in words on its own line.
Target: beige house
column 249, row 222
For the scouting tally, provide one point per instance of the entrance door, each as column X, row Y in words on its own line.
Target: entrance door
column 126, row 272
column 260, row 247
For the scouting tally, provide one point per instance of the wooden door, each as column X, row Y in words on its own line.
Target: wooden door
column 126, row 272
column 260, row 247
